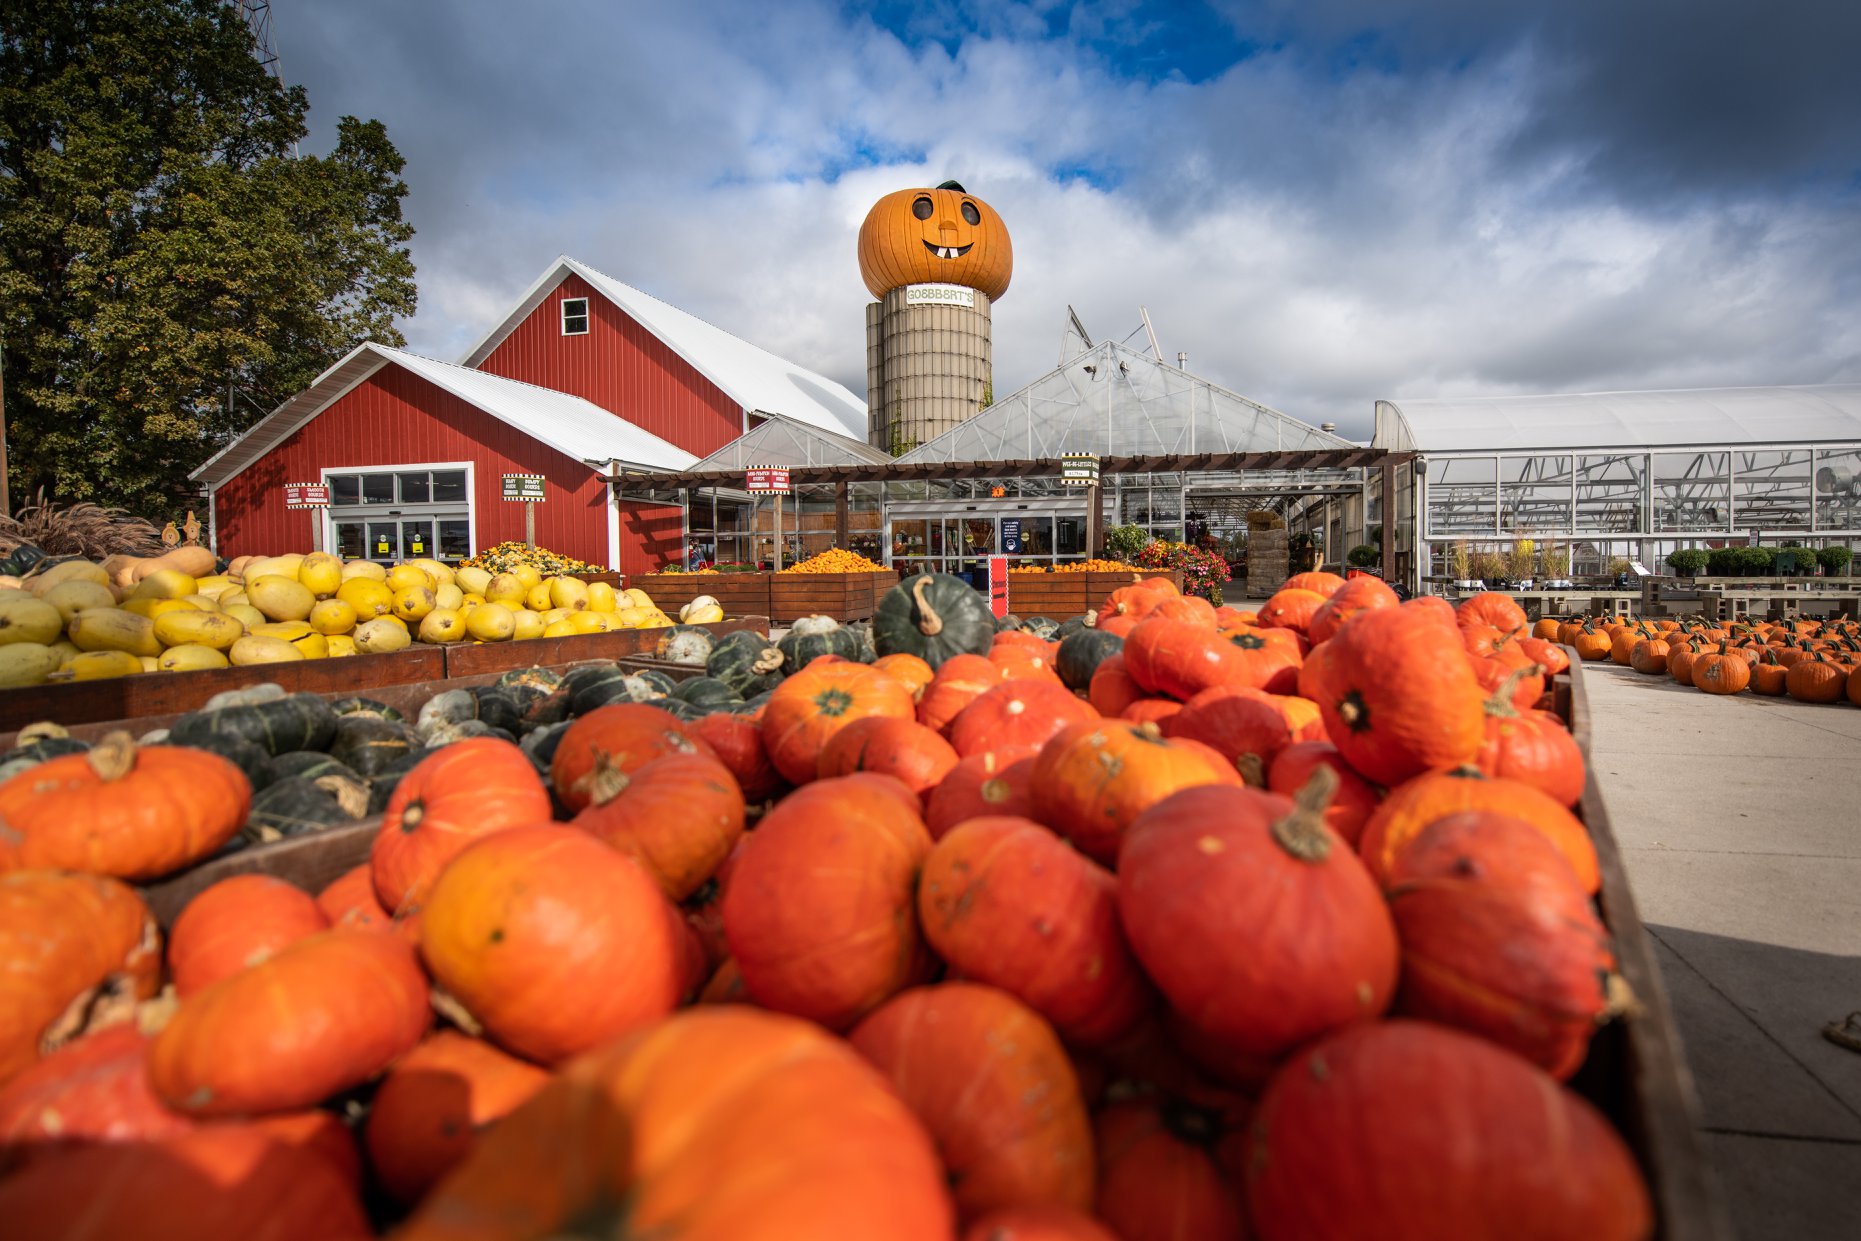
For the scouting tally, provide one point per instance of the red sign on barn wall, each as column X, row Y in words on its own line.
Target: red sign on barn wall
column 306, row 495
column 766, row 478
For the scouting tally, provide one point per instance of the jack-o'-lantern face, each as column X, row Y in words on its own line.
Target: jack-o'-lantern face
column 940, row 236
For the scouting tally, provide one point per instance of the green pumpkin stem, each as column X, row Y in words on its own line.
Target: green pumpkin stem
column 929, row 623
column 1303, row 833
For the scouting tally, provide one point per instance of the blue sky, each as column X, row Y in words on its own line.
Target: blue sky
column 1322, row 202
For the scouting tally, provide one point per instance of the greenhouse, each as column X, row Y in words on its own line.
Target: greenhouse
column 1598, row 483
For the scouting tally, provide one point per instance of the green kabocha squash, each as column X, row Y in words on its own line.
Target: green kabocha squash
column 364, row 706
column 1042, row 627
column 309, row 765
column 369, row 746
column 814, row 636
column 1080, row 654
column 933, row 616
column 498, row 707
column 296, row 722
column 1068, row 627
column 706, row 692
column 684, row 644
column 249, row 758
column 746, row 661
column 296, row 806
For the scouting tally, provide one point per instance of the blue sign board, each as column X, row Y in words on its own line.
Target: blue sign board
column 1011, row 535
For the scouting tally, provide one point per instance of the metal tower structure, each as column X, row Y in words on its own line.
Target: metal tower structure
column 257, row 15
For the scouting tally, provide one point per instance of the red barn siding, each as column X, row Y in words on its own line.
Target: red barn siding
column 619, row 366
column 394, row 417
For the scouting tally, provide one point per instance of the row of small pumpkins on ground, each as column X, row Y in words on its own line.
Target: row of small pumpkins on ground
column 1809, row 660
column 1197, row 924
column 76, row 621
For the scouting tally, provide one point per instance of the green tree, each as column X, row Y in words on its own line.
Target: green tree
column 170, row 270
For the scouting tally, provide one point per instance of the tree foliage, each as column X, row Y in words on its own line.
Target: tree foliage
column 170, row 270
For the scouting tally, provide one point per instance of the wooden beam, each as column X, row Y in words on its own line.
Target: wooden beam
column 840, row 513
column 1095, row 522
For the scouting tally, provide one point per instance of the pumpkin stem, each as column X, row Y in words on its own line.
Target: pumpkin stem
column 114, row 757
column 351, row 796
column 605, row 780
column 768, row 661
column 1302, row 833
column 448, row 1006
column 42, row 731
column 1500, row 704
column 929, row 623
column 1253, row 770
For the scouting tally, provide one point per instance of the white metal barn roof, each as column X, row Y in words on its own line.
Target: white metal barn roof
column 1115, row 401
column 572, row 426
column 754, row 378
column 784, row 441
column 1676, row 418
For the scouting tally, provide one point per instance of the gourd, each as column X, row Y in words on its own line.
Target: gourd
column 296, row 722
column 814, row 636
column 746, row 661
column 370, row 745
column 933, row 616
column 1080, row 654
column 706, row 692
column 296, row 805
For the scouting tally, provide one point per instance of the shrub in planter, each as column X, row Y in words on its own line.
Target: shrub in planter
column 1687, row 560
column 1364, row 555
column 1834, row 559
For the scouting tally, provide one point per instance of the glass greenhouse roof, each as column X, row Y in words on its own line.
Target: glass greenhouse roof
column 1699, row 416
column 783, row 441
column 1114, row 401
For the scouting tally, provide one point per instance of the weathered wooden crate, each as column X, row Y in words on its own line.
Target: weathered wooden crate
column 739, row 594
column 843, row 596
column 1063, row 595
column 500, row 657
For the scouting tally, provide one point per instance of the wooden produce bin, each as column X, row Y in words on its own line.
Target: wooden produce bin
column 739, row 594
column 501, row 657
column 843, row 596
column 1060, row 596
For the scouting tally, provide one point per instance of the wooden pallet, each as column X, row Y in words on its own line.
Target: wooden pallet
column 739, row 594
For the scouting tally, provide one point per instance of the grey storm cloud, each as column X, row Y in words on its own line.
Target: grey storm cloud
column 1463, row 197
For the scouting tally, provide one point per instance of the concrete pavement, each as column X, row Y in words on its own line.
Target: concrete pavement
column 1739, row 820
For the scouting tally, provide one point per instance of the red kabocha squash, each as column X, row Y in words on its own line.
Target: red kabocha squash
column 1411, row 1131
column 1150, row 711
column 908, row 670
column 1111, row 689
column 610, row 740
column 551, row 912
column 95, row 1089
column 1006, row 902
column 1360, row 594
column 1253, row 918
column 237, row 923
column 903, row 748
column 960, row 681
column 998, row 782
column 1179, row 658
column 131, row 812
column 1244, row 726
column 1435, row 608
column 1547, row 655
column 428, row 1111
column 1413, row 806
column 1319, row 583
column 1524, row 963
column 80, row 950
column 737, row 742
column 1532, row 747
column 322, row 1015
column 350, row 902
column 1017, row 714
column 452, row 797
column 1092, row 780
column 718, row 1122
column 1350, row 806
column 820, row 911
column 678, row 816
column 1016, row 662
column 1138, row 600
column 1265, row 659
column 1495, row 608
column 993, row 1085
column 807, row 709
column 1514, row 672
column 1042, row 1223
column 1291, row 608
column 1483, row 844
column 1158, row 1178
column 1398, row 696
column 228, row 1180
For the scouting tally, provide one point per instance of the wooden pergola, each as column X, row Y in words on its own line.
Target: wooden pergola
column 842, row 476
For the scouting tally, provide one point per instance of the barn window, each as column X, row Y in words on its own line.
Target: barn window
column 574, row 316
column 392, row 512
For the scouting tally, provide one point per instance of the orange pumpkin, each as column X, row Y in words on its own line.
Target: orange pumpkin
column 449, row 799
column 1291, row 609
column 1769, row 677
column 1322, row 584
column 1017, row 714
column 1721, row 671
column 904, row 748
column 1092, row 780
column 1112, row 689
column 429, row 1109
column 820, row 911
column 613, row 740
column 1350, row 806
column 76, row 948
column 1041, row 1223
column 350, row 901
column 1413, row 806
column 718, row 1122
column 1235, row 723
column 95, row 1089
column 236, row 923
column 1158, row 1179
column 678, row 816
column 1495, row 608
column 958, row 682
column 807, row 709
column 551, row 911
column 994, row 1087
column 1005, row 901
column 944, row 235
column 131, row 812
column 907, row 669
column 324, row 1014
column 1817, row 680
column 996, row 782
column 737, row 741
column 1360, row 594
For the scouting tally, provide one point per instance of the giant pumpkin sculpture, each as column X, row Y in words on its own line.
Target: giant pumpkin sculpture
column 941, row 236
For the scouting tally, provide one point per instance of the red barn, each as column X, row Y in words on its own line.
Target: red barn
column 583, row 376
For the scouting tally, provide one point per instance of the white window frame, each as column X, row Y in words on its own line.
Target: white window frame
column 585, row 316
column 326, row 515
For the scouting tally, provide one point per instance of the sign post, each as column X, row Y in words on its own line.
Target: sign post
column 315, row 497
column 1081, row 469
column 529, row 489
column 770, row 479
